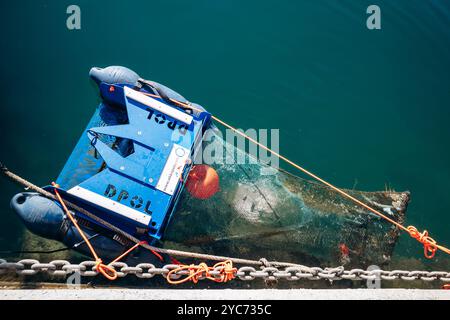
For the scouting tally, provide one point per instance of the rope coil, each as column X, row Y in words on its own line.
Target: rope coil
column 429, row 244
column 196, row 272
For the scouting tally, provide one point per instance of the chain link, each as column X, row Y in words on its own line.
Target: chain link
column 63, row 268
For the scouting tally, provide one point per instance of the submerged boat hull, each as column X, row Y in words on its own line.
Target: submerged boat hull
column 257, row 211
column 280, row 216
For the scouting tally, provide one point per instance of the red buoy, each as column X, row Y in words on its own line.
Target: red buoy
column 203, row 182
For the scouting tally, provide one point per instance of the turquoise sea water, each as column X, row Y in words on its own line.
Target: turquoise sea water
column 365, row 109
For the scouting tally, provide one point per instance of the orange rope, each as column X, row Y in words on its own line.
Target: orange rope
column 157, row 255
column 227, row 272
column 106, row 270
column 429, row 244
column 134, row 247
column 127, row 252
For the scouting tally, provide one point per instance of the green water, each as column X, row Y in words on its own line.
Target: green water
column 362, row 108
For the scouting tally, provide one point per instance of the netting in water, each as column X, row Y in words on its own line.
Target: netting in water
column 263, row 212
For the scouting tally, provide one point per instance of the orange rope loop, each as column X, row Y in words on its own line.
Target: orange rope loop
column 107, row 271
column 196, row 272
column 429, row 244
column 228, row 272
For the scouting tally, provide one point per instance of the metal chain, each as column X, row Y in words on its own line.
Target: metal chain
column 64, row 268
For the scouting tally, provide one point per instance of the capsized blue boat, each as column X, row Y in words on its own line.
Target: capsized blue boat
column 130, row 167
column 141, row 147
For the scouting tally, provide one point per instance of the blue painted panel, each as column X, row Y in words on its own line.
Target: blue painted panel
column 126, row 147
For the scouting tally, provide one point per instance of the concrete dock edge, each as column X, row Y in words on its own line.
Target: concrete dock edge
column 223, row 294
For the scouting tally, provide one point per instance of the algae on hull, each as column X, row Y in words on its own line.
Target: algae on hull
column 280, row 216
